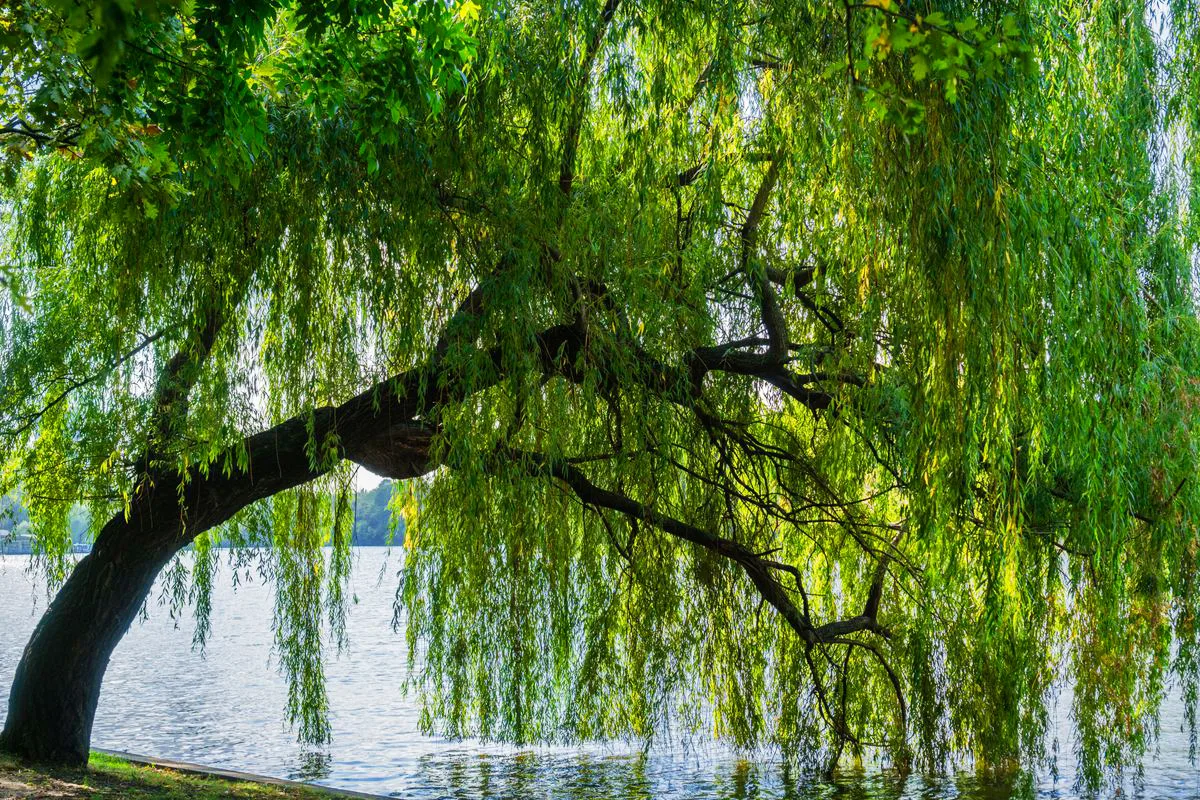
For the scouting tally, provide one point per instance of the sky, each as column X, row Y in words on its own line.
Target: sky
column 365, row 480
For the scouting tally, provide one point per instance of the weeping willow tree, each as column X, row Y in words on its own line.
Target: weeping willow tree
column 813, row 376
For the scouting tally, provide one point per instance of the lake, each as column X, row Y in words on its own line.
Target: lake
column 226, row 709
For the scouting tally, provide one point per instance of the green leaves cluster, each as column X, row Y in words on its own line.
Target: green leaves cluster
column 936, row 50
column 147, row 91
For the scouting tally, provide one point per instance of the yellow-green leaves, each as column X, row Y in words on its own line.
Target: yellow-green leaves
column 548, row 233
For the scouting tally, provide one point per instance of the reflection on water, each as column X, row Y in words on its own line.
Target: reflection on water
column 643, row 777
column 312, row 766
column 226, row 709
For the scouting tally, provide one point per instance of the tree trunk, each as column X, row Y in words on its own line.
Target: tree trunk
column 57, row 683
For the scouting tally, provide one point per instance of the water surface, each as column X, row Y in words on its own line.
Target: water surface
column 225, row 708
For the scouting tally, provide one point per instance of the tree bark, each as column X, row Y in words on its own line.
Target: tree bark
column 57, row 683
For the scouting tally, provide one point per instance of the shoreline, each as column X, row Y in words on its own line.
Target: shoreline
column 189, row 768
column 125, row 776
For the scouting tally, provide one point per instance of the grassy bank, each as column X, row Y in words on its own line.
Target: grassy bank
column 108, row 777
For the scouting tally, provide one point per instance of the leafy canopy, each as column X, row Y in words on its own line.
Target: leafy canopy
column 814, row 375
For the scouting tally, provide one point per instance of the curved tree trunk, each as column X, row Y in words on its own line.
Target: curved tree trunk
column 57, row 683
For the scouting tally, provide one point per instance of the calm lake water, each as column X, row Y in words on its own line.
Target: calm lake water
column 226, row 709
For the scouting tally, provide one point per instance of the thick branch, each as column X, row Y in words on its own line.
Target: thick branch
column 566, row 174
column 773, row 317
column 379, row 428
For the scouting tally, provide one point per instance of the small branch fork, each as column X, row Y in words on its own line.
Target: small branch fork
column 67, row 136
column 761, row 571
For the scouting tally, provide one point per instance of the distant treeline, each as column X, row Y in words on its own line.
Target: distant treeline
column 372, row 517
column 14, row 520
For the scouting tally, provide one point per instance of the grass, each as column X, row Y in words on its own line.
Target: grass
column 107, row 777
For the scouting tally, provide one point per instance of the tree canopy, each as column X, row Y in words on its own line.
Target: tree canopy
column 812, row 375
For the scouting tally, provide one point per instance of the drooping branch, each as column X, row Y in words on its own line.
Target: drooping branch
column 756, row 272
column 570, row 148
column 29, row 421
column 759, row 569
column 893, row 678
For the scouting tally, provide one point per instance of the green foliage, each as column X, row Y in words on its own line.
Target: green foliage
column 102, row 80
column 880, row 315
column 937, row 50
